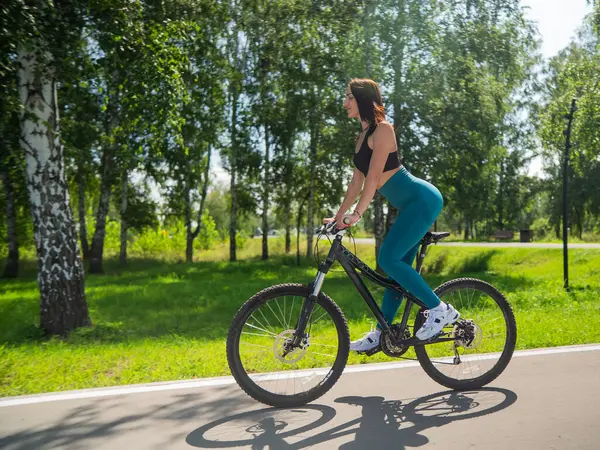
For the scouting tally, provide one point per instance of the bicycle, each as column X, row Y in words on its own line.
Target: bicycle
column 286, row 333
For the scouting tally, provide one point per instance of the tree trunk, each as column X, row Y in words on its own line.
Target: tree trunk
column 189, row 252
column 106, row 183
column 11, row 270
column 298, row 225
column 233, row 163
column 123, row 249
column 189, row 238
column 97, row 251
column 579, row 214
column 266, row 187
column 501, row 197
column 63, row 305
column 378, row 217
column 85, row 247
column 467, row 228
column 287, row 200
column 368, row 27
column 391, row 217
column 288, row 237
column 399, row 96
column 309, row 221
column 311, row 188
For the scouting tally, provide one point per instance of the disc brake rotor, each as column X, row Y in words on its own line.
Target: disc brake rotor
column 468, row 334
column 282, row 340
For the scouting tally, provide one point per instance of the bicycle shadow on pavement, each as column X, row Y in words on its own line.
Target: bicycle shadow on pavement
column 382, row 424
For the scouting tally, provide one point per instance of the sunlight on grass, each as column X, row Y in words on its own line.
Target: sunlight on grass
column 156, row 321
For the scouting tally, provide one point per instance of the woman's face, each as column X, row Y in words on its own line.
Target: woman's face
column 351, row 105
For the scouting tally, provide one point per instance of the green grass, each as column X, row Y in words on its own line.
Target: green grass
column 156, row 321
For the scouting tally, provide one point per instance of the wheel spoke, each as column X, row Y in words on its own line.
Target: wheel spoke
column 261, row 329
column 264, row 349
column 282, row 325
column 486, row 311
column 320, row 317
column 265, row 319
column 257, row 334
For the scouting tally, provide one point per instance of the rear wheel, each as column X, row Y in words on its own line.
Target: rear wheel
column 259, row 353
column 486, row 332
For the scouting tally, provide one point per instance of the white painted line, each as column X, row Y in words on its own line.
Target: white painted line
column 222, row 381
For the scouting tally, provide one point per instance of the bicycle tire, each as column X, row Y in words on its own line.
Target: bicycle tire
column 507, row 352
column 244, row 380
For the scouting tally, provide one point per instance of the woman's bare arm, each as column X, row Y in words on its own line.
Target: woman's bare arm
column 354, row 188
column 384, row 142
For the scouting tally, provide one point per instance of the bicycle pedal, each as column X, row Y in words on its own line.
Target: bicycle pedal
column 371, row 352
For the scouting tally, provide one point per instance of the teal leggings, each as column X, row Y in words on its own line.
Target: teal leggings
column 418, row 203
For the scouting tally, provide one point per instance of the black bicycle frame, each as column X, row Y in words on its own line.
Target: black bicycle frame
column 351, row 263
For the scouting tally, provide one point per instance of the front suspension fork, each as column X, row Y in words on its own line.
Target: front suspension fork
column 307, row 308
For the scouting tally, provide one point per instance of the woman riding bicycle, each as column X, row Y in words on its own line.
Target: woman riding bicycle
column 377, row 167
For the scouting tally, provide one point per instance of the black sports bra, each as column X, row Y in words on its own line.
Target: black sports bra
column 362, row 158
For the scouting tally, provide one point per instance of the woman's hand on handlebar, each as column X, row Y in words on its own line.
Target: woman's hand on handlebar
column 349, row 220
column 339, row 218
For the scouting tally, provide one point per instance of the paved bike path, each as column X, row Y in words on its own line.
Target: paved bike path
column 545, row 399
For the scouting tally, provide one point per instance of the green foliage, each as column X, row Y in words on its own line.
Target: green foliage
column 541, row 227
column 208, row 235
column 573, row 74
column 435, row 264
column 150, row 88
column 141, row 214
column 166, row 242
column 157, row 322
column 217, row 204
column 241, row 239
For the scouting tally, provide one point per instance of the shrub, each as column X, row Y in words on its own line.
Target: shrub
column 434, row 264
column 541, row 227
column 208, row 235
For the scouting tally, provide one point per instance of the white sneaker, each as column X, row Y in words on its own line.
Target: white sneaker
column 437, row 318
column 369, row 341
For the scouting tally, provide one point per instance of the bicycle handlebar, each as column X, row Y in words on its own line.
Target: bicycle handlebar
column 330, row 228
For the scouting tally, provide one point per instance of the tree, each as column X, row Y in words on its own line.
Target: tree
column 203, row 120
column 573, row 73
column 483, row 59
column 81, row 131
column 11, row 164
column 326, row 33
column 8, row 176
column 45, row 36
column 136, row 41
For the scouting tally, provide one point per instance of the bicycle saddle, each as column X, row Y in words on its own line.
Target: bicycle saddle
column 434, row 237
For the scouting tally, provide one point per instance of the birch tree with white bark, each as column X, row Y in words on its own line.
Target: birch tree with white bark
column 63, row 304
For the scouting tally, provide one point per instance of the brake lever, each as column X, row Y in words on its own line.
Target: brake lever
column 333, row 229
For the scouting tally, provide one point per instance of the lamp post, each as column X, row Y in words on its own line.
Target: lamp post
column 567, row 133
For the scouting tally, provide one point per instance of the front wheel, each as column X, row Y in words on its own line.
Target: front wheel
column 261, row 359
column 485, row 336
